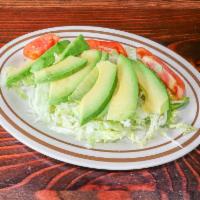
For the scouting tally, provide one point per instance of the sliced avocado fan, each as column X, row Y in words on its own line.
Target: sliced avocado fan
column 61, row 89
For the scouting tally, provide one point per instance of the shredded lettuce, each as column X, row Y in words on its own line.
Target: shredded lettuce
column 174, row 105
column 38, row 101
column 64, row 118
column 151, row 131
column 183, row 127
column 173, row 123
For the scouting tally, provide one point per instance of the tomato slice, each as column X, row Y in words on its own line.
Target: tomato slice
column 107, row 46
column 169, row 77
column 141, row 52
column 37, row 47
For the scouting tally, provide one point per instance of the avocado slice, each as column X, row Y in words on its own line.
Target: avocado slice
column 94, row 102
column 88, row 82
column 103, row 113
column 61, row 89
column 16, row 74
column 48, row 58
column 84, row 86
column 75, row 48
column 124, row 100
column 60, row 70
column 156, row 96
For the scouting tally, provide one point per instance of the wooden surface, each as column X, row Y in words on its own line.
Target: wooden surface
column 26, row 174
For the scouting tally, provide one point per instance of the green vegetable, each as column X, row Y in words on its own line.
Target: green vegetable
column 28, row 80
column 64, row 118
column 48, row 58
column 156, row 96
column 75, row 48
column 93, row 103
column 16, row 74
column 124, row 100
column 174, row 105
column 60, row 70
column 61, row 89
column 84, row 86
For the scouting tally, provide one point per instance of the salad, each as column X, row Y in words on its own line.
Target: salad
column 97, row 91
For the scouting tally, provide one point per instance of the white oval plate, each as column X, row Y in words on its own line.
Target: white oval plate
column 115, row 156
